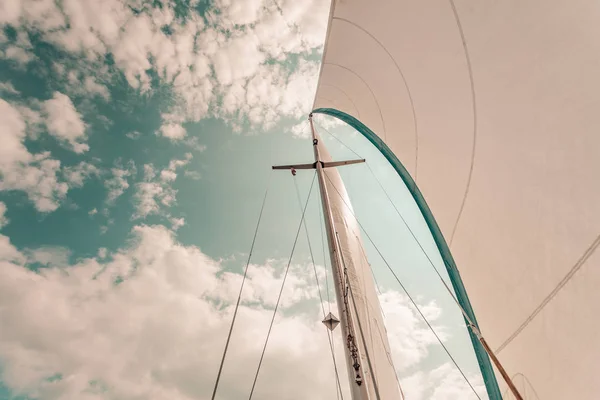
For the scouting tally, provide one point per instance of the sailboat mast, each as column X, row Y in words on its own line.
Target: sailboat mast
column 359, row 381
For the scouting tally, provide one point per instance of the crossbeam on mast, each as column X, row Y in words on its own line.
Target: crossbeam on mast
column 324, row 164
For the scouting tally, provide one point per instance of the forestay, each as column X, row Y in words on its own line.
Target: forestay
column 494, row 109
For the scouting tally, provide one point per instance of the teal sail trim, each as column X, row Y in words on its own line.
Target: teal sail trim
column 485, row 365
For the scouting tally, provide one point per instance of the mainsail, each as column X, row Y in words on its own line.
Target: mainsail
column 490, row 109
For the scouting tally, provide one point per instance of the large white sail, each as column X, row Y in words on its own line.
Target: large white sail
column 493, row 107
column 370, row 336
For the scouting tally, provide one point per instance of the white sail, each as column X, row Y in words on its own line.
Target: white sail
column 362, row 302
column 494, row 109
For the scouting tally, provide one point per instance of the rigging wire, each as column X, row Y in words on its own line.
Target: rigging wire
column 281, row 290
column 405, row 290
column 329, row 333
column 237, row 304
column 448, row 289
column 339, row 140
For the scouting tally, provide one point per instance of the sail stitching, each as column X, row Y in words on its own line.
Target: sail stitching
column 585, row 256
column 474, row 108
column 410, row 98
column 345, row 94
column 370, row 90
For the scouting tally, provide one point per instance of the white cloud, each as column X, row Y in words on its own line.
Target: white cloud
column 12, row 131
column 227, row 59
column 91, row 86
column 93, row 211
column 168, row 175
column 48, row 256
column 35, row 174
column 133, row 135
column 64, row 122
column 150, row 196
column 102, row 252
column 3, row 220
column 409, row 342
column 176, row 223
column 20, row 51
column 240, row 12
column 301, row 130
column 10, row 11
column 173, row 131
column 77, row 174
column 151, row 323
column 238, row 59
column 271, row 93
column 156, row 192
column 195, row 175
column 442, row 383
column 7, row 87
column 117, row 185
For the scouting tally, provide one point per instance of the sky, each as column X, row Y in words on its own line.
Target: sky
column 136, row 144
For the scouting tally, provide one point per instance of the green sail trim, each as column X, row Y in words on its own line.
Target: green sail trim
column 485, row 365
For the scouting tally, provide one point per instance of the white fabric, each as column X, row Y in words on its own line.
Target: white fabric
column 360, row 279
column 532, row 208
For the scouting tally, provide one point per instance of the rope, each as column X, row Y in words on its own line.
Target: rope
column 237, row 304
column 405, row 291
column 337, row 377
column 281, row 290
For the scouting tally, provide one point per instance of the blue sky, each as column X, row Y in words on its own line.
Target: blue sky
column 137, row 140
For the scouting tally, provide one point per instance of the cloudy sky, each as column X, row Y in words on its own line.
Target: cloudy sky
column 136, row 139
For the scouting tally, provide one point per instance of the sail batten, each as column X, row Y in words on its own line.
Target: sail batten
column 492, row 107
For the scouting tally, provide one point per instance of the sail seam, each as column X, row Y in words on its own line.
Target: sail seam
column 584, row 257
column 370, row 90
column 410, row 98
column 474, row 108
column 345, row 94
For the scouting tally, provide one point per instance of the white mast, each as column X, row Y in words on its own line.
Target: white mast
column 371, row 372
column 359, row 382
column 367, row 352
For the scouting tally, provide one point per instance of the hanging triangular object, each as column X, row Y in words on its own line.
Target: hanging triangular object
column 331, row 321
